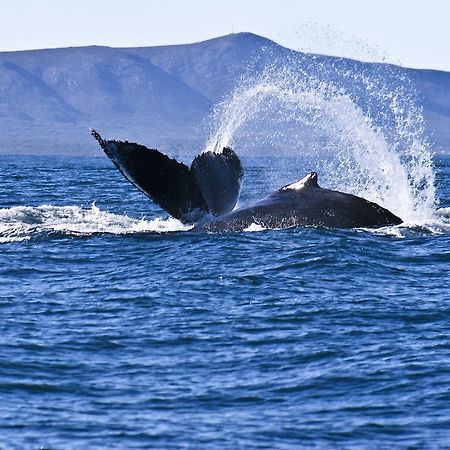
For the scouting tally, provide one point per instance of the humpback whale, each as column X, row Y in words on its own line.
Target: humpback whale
column 205, row 193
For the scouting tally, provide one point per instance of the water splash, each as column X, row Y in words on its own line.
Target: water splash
column 358, row 126
column 22, row 223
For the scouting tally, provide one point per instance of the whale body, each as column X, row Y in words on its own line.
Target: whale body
column 205, row 193
column 304, row 203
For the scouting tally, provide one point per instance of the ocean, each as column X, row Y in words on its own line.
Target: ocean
column 121, row 329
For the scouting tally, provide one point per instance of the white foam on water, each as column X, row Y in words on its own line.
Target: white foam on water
column 254, row 227
column 21, row 223
column 383, row 156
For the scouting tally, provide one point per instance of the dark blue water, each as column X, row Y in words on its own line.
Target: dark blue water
column 116, row 335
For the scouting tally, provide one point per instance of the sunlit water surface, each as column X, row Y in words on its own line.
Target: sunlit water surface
column 120, row 329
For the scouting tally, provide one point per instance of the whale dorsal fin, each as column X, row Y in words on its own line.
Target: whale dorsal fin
column 309, row 181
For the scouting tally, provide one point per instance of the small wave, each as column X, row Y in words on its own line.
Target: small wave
column 21, row 223
column 443, row 213
column 437, row 223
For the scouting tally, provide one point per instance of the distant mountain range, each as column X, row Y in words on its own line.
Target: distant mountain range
column 160, row 96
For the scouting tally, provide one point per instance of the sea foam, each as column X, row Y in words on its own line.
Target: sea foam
column 21, row 223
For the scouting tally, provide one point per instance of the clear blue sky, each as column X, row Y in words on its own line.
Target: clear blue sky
column 415, row 33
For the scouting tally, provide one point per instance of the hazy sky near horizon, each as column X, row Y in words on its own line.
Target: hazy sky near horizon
column 414, row 33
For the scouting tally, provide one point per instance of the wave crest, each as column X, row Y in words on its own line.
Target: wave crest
column 21, row 223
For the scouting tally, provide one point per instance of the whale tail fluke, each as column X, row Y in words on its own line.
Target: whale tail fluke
column 98, row 138
column 219, row 175
column 185, row 193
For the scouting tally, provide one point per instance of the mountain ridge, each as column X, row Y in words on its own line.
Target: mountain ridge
column 159, row 95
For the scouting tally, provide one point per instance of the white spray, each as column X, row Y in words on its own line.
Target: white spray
column 380, row 156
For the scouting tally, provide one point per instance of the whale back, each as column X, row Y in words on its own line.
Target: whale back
column 304, row 203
